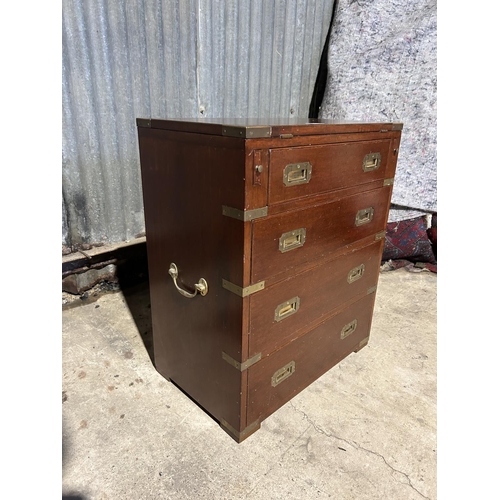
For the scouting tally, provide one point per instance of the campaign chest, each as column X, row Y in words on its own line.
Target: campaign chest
column 264, row 244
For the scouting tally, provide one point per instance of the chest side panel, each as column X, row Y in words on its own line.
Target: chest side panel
column 187, row 179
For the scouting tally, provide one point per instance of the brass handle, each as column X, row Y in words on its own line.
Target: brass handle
column 297, row 173
column 292, row 239
column 371, row 162
column 348, row 329
column 287, row 309
column 355, row 273
column 201, row 287
column 364, row 216
column 283, row 373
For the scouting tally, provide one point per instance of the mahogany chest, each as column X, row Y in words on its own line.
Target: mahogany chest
column 264, row 244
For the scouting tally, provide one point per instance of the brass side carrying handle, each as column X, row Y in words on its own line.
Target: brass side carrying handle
column 201, row 287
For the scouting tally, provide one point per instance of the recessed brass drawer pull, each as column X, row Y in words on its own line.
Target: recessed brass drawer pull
column 355, row 273
column 201, row 287
column 287, row 309
column 292, row 239
column 348, row 329
column 364, row 216
column 371, row 162
column 297, row 173
column 283, row 373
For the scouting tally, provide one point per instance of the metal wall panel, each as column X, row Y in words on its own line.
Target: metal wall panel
column 169, row 59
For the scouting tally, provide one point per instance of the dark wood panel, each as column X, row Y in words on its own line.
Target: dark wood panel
column 314, row 354
column 333, row 167
column 186, row 180
column 328, row 227
column 322, row 291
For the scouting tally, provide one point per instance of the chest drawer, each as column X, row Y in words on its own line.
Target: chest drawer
column 304, row 171
column 287, row 241
column 276, row 379
column 280, row 313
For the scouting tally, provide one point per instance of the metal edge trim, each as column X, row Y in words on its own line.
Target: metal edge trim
column 241, row 366
column 389, row 182
column 243, row 292
column 371, row 290
column 397, row 126
column 380, row 235
column 362, row 343
column 250, row 132
column 143, row 122
column 237, row 434
column 244, row 215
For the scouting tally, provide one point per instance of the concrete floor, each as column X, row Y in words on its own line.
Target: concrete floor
column 364, row 430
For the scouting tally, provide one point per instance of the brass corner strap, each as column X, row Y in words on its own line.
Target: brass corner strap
column 380, row 235
column 144, row 122
column 371, row 290
column 241, row 366
column 244, row 215
column 239, row 435
column 362, row 344
column 389, row 182
column 247, row 132
column 243, row 292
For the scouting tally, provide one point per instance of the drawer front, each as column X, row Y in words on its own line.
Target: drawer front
column 276, row 379
column 284, row 311
column 282, row 242
column 303, row 171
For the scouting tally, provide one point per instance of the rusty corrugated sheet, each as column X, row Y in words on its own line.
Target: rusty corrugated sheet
column 169, row 59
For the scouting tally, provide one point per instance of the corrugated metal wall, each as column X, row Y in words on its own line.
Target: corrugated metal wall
column 169, row 59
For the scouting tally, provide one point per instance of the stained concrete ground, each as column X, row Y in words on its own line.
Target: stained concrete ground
column 364, row 430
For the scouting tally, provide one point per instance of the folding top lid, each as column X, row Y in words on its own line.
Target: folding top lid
column 253, row 128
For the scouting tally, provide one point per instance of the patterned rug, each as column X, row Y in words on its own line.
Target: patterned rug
column 411, row 244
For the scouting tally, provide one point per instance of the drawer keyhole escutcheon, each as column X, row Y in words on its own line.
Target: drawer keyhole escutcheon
column 297, row 173
column 292, row 239
column 287, row 309
column 348, row 329
column 364, row 216
column 283, row 373
column 371, row 162
column 355, row 273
